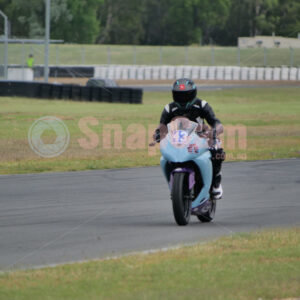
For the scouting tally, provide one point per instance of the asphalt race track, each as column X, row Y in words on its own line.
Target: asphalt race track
column 60, row 217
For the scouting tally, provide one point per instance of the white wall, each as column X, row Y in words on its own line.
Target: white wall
column 268, row 42
column 24, row 74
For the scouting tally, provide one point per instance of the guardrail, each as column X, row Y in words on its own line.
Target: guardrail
column 71, row 92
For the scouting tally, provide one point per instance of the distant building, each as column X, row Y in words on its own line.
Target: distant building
column 268, row 42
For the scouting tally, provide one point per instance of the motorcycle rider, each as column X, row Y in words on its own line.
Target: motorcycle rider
column 186, row 104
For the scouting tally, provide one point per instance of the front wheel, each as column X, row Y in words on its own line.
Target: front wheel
column 209, row 215
column 181, row 198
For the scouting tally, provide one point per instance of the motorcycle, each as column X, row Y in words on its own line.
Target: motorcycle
column 187, row 167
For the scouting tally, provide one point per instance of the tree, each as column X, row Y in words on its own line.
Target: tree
column 288, row 21
column 24, row 17
column 71, row 20
column 75, row 20
column 154, row 22
column 263, row 18
column 121, row 21
column 248, row 18
column 179, row 23
column 211, row 17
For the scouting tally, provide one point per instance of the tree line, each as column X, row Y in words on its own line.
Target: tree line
column 154, row 22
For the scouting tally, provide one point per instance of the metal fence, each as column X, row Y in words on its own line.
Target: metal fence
column 152, row 55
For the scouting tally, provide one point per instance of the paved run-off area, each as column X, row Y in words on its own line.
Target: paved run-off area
column 60, row 217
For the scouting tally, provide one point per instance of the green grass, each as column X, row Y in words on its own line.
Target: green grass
column 268, row 120
column 261, row 265
column 151, row 55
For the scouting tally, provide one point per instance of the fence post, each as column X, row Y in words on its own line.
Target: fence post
column 108, row 55
column 212, row 56
column 291, row 57
column 5, row 62
column 134, row 55
column 239, row 56
column 186, row 61
column 160, row 55
column 23, row 60
column 82, row 55
column 265, row 56
column 57, row 55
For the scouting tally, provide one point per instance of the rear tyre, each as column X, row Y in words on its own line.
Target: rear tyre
column 181, row 198
column 209, row 215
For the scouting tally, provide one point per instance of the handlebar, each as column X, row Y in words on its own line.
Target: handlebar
column 214, row 138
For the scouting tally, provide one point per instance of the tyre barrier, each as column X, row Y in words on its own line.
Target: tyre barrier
column 130, row 72
column 56, row 91
column 140, row 72
column 64, row 71
column 71, row 91
column 71, row 71
column 86, row 93
column 45, row 90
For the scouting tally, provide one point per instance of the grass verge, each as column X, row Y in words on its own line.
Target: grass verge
column 259, row 123
column 261, row 265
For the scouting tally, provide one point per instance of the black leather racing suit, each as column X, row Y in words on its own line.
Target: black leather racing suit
column 198, row 112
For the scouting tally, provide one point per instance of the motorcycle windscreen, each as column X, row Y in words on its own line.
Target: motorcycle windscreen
column 180, row 130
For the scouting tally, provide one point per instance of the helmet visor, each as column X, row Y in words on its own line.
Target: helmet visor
column 183, row 97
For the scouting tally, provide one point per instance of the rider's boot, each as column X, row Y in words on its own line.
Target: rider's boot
column 217, row 190
column 218, row 156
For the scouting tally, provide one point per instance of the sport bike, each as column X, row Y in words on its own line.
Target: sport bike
column 187, row 167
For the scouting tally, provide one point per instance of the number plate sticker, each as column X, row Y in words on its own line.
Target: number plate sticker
column 179, row 137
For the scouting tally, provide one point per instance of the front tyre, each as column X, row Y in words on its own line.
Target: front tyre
column 181, row 198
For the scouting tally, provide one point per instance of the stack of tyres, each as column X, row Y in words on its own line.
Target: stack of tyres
column 95, row 93
column 105, row 95
column 136, row 96
column 60, row 72
column 125, row 95
column 86, row 93
column 30, row 89
column 5, row 88
column 57, row 91
column 115, row 94
column 75, row 92
column 83, row 71
column 46, row 90
column 69, row 91
column 65, row 71
column 66, row 91
column 17, row 88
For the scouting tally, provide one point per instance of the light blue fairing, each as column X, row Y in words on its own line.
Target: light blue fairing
column 181, row 155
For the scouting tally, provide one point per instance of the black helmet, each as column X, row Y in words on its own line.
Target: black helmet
column 184, row 92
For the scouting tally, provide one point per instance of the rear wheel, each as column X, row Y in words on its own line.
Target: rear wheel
column 209, row 215
column 181, row 198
